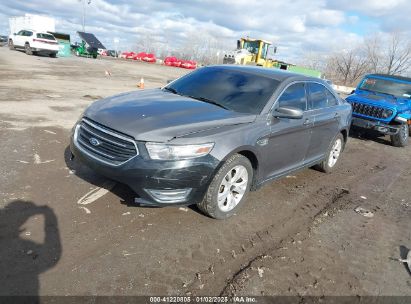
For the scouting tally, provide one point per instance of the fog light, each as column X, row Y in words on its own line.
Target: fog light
column 169, row 196
column 382, row 129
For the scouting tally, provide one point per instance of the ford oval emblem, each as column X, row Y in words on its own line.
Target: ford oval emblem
column 94, row 141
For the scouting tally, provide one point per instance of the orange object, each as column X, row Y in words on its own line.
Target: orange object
column 141, row 84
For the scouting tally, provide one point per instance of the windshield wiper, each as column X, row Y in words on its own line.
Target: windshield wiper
column 208, row 101
column 172, row 90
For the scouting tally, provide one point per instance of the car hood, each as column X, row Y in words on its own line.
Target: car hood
column 380, row 99
column 159, row 116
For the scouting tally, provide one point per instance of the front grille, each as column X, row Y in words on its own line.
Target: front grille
column 368, row 110
column 104, row 144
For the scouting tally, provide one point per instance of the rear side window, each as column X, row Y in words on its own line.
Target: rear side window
column 294, row 96
column 45, row 36
column 320, row 96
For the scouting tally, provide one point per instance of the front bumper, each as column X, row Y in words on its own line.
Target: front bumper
column 375, row 125
column 158, row 183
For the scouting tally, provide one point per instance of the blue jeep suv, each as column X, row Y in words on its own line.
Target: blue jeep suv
column 383, row 103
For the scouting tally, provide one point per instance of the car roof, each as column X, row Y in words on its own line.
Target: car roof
column 391, row 76
column 274, row 73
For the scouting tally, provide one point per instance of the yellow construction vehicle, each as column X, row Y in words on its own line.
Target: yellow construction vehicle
column 250, row 52
column 255, row 52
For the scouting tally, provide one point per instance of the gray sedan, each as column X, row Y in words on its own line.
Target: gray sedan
column 211, row 136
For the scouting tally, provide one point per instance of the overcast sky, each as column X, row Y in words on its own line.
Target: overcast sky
column 294, row 26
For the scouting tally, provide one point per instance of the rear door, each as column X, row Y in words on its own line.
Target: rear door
column 289, row 139
column 323, row 106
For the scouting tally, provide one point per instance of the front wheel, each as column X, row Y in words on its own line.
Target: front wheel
column 333, row 155
column 401, row 138
column 228, row 189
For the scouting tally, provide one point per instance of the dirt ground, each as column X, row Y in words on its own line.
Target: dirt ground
column 64, row 230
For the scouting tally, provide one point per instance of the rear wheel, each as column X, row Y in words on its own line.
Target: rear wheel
column 401, row 138
column 228, row 189
column 333, row 155
column 11, row 45
column 28, row 50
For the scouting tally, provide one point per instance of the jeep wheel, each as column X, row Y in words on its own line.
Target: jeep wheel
column 401, row 138
column 28, row 50
column 228, row 189
column 11, row 45
column 333, row 155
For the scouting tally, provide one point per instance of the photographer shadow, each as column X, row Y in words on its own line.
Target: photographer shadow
column 23, row 260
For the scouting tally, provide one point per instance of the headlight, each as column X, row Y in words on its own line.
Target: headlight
column 386, row 113
column 169, row 152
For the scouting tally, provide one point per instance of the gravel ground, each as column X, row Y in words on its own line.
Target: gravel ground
column 64, row 230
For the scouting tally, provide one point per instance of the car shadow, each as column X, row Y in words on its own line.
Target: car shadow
column 22, row 259
column 366, row 135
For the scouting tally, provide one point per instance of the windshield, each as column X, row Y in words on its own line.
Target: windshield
column 251, row 46
column 239, row 91
column 385, row 86
column 45, row 36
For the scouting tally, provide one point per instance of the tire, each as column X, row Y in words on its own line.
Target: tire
column 401, row 138
column 236, row 191
column 28, row 50
column 11, row 45
column 53, row 55
column 333, row 155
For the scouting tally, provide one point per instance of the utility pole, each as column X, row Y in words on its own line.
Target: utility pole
column 84, row 12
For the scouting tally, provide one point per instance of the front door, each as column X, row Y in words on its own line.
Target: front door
column 289, row 139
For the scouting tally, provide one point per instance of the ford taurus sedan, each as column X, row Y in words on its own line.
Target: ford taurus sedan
column 211, row 136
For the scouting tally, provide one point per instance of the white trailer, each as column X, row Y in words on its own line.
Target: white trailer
column 32, row 22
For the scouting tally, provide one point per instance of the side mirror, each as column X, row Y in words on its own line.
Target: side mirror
column 170, row 80
column 352, row 92
column 288, row 112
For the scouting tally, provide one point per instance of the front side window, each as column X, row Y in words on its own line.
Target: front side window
column 21, row 33
column 320, row 96
column 294, row 96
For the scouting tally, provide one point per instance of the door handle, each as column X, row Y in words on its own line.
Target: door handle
column 306, row 122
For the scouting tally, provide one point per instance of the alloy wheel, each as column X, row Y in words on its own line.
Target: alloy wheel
column 335, row 153
column 232, row 188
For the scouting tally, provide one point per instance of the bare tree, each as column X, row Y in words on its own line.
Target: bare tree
column 398, row 54
column 372, row 47
column 348, row 66
column 389, row 55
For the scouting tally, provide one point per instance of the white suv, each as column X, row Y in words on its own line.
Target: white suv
column 34, row 42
